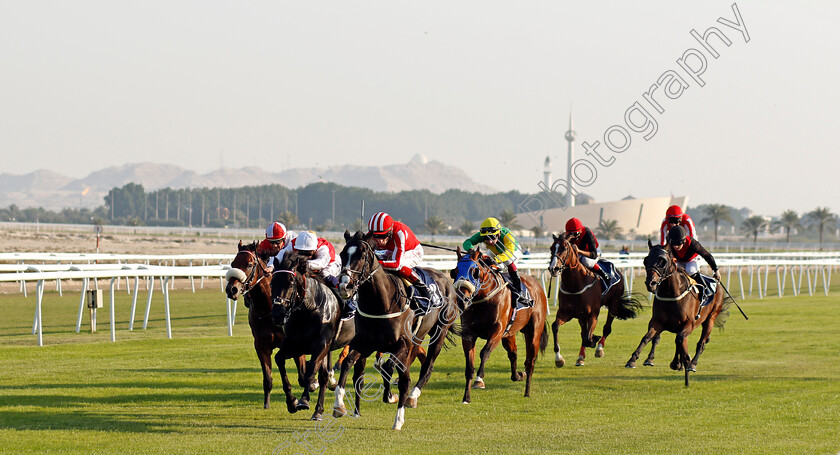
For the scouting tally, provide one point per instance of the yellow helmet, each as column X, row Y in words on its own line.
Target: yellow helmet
column 490, row 226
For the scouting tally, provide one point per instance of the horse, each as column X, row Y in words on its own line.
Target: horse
column 676, row 303
column 249, row 278
column 580, row 297
column 386, row 322
column 311, row 314
column 485, row 303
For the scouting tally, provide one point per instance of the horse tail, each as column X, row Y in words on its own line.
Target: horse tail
column 544, row 339
column 723, row 316
column 627, row 306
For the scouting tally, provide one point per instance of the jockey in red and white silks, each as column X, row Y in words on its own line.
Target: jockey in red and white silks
column 322, row 255
column 674, row 216
column 404, row 251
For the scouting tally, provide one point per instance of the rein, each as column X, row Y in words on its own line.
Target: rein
column 368, row 252
column 663, row 277
column 562, row 266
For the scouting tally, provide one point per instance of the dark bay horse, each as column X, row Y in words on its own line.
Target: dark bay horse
column 387, row 322
column 675, row 306
column 311, row 314
column 485, row 302
column 249, row 278
column 579, row 297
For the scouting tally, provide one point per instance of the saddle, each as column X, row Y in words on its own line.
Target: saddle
column 523, row 292
column 431, row 285
column 611, row 272
column 705, row 290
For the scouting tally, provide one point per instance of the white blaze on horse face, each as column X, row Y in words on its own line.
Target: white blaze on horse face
column 350, row 253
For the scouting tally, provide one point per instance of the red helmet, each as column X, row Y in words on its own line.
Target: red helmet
column 674, row 210
column 275, row 231
column 380, row 223
column 574, row 225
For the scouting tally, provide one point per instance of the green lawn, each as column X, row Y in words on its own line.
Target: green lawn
column 767, row 385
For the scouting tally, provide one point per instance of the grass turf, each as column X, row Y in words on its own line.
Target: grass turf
column 767, row 385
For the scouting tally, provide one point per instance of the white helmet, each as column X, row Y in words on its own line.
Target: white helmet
column 306, row 241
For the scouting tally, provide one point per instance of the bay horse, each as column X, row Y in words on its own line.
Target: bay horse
column 311, row 315
column 386, row 322
column 485, row 303
column 675, row 305
column 579, row 296
column 250, row 279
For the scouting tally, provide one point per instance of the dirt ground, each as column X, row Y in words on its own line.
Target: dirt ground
column 34, row 242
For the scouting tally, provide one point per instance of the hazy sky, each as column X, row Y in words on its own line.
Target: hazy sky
column 483, row 85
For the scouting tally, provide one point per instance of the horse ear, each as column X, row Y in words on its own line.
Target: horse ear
column 458, row 252
column 346, row 235
column 453, row 273
column 555, row 236
column 240, row 245
column 650, row 245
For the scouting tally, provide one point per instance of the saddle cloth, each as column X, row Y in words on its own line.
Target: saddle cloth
column 611, row 272
column 431, row 285
column 706, row 290
column 524, row 292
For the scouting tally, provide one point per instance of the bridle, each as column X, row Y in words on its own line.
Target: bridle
column 495, row 279
column 663, row 272
column 368, row 257
column 560, row 264
column 253, row 266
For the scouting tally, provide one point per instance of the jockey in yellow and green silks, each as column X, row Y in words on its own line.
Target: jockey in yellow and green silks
column 504, row 248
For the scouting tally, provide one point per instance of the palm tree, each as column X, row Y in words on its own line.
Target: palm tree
column 435, row 225
column 289, row 219
column 467, row 227
column 788, row 221
column 752, row 225
column 820, row 218
column 716, row 213
column 538, row 231
column 608, row 229
column 508, row 219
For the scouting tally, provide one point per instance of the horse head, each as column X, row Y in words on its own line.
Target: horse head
column 246, row 271
column 659, row 264
column 563, row 255
column 360, row 262
column 288, row 282
column 472, row 277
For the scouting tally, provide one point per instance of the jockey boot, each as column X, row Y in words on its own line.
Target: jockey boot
column 518, row 291
column 600, row 273
column 702, row 293
column 348, row 310
column 423, row 293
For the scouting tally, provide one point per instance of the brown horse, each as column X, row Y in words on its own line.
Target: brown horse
column 580, row 296
column 387, row 322
column 249, row 278
column 485, row 303
column 675, row 306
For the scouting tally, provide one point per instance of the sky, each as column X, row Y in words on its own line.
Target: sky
column 487, row 86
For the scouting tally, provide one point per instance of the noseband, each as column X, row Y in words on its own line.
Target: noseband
column 253, row 265
column 367, row 253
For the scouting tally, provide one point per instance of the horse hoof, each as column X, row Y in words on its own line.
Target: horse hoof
column 332, row 384
column 317, row 417
column 579, row 362
column 630, row 365
column 648, row 363
column 560, row 363
column 292, row 406
column 313, row 387
column 478, row 384
column 411, row 403
column 599, row 352
column 465, row 402
column 675, row 366
column 339, row 412
column 302, row 406
column 518, row 376
column 392, row 398
column 692, row 368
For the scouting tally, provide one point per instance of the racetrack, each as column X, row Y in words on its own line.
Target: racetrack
column 767, row 385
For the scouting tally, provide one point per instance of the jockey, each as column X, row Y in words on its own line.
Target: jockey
column 403, row 250
column 321, row 252
column 674, row 216
column 506, row 251
column 276, row 238
column 587, row 245
column 685, row 250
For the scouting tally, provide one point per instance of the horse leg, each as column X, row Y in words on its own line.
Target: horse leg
column 587, row 327
column 386, row 370
column 301, row 369
column 701, row 343
column 426, row 366
column 341, row 357
column 532, row 345
column 359, row 383
column 599, row 348
column 331, row 382
column 291, row 401
column 484, row 355
column 323, row 367
column 509, row 343
column 338, row 408
column 682, row 350
column 421, row 354
column 561, row 319
column 649, row 360
column 468, row 343
column 312, row 368
column 404, row 382
column 265, row 363
column 653, row 332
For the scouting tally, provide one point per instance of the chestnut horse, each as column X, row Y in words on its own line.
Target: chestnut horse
column 580, row 297
column 249, row 278
column 485, row 303
column 311, row 314
column 675, row 306
column 387, row 322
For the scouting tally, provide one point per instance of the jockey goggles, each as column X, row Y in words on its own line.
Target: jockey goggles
column 489, row 231
column 383, row 235
column 674, row 219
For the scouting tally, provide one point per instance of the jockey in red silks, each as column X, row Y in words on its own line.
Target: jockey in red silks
column 322, row 257
column 674, row 216
column 276, row 238
column 403, row 249
column 587, row 245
